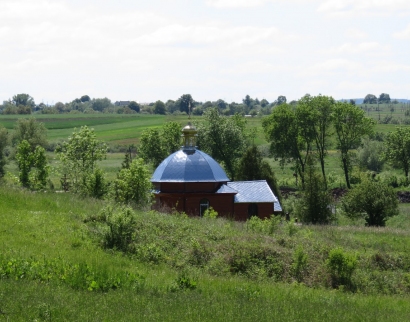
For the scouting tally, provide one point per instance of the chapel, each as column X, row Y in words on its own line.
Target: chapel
column 191, row 181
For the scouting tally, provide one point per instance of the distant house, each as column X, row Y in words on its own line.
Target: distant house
column 122, row 103
column 191, row 181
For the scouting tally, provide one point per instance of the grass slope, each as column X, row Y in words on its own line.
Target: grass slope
column 46, row 234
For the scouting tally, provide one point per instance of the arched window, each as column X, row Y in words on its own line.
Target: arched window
column 252, row 210
column 203, row 205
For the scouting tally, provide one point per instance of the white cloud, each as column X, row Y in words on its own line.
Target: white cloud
column 333, row 66
column 354, row 33
column 389, row 67
column 404, row 34
column 373, row 48
column 364, row 7
column 255, row 67
column 235, row 3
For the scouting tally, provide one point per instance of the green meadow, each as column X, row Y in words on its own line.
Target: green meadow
column 53, row 267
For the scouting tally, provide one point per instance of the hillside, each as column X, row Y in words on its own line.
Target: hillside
column 54, row 266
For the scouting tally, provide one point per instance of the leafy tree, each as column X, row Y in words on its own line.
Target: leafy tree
column 79, row 156
column 370, row 99
column 352, row 101
column 397, row 149
column 171, row 106
column 133, row 185
column 264, row 103
column 156, row 145
column 372, row 200
column 317, row 111
column 221, row 104
column 252, row 167
column 247, row 101
column 351, row 125
column 281, row 100
column 26, row 160
column 290, row 135
column 185, row 103
column 59, row 106
column 96, row 185
column 370, row 155
column 3, row 144
column 23, row 100
column 224, row 138
column 85, row 98
column 159, row 108
column 99, row 104
column 314, row 206
column 134, row 106
column 34, row 132
column 384, row 98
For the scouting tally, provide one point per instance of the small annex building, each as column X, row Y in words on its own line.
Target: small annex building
column 191, row 181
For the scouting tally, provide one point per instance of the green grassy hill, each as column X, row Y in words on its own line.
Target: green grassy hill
column 54, row 267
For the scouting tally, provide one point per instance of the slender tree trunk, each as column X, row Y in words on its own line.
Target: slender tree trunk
column 346, row 170
column 322, row 164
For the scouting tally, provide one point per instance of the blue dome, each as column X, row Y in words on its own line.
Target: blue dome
column 189, row 166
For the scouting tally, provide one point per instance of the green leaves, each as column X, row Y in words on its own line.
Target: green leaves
column 374, row 201
column 224, row 138
column 133, row 185
column 156, row 145
column 351, row 125
column 397, row 149
column 26, row 160
column 80, row 154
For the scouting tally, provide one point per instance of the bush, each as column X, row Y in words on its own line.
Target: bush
column 369, row 155
column 299, row 264
column 121, row 227
column 341, row 266
column 372, row 200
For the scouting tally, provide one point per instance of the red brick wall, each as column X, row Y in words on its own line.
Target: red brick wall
column 221, row 203
column 188, row 186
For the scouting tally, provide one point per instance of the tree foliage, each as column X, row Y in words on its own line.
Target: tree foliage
column 351, row 125
column 34, row 132
column 370, row 99
column 134, row 106
column 317, row 112
column 370, row 155
column 157, row 144
column 23, row 100
column 252, row 167
column 384, row 98
column 315, row 204
column 290, row 134
column 133, row 185
column 372, row 200
column 159, row 107
column 224, row 138
column 85, row 98
column 185, row 103
column 33, row 166
column 397, row 149
column 79, row 156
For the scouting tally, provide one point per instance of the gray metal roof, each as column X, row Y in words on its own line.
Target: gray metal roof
column 252, row 191
column 189, row 166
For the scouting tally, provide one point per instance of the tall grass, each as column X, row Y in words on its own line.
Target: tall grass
column 184, row 269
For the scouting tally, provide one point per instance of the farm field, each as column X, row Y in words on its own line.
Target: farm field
column 121, row 131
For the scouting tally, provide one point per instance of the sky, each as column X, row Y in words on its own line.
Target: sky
column 59, row 50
